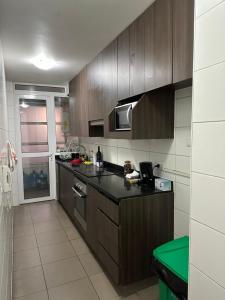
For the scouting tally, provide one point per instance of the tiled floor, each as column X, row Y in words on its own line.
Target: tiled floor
column 52, row 261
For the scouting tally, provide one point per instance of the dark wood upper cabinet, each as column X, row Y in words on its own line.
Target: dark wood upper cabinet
column 95, row 100
column 158, row 44
column 123, row 41
column 109, row 83
column 74, row 87
column 183, row 32
column 137, row 56
column 83, row 103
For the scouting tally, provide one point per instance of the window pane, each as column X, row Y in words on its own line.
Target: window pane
column 34, row 126
column 62, row 121
column 36, row 177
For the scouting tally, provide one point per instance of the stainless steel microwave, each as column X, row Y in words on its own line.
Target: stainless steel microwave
column 123, row 116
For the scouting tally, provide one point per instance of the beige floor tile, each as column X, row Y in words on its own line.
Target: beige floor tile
column 80, row 246
column 72, row 233
column 43, row 217
column 28, row 281
column 56, row 252
column 104, row 287
column 24, row 243
column 151, row 293
column 50, row 226
column 63, row 271
column 90, row 264
column 65, row 221
column 22, row 219
column 37, row 296
column 78, row 290
column 23, row 230
column 26, row 259
column 49, row 238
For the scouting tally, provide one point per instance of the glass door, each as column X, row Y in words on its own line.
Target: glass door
column 37, row 146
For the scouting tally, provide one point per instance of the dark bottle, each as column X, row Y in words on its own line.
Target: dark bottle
column 99, row 158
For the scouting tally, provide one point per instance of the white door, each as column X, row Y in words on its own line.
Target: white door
column 36, row 140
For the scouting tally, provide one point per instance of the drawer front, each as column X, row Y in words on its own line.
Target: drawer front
column 108, row 235
column 109, row 208
column 110, row 266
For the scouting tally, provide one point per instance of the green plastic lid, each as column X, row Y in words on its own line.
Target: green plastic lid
column 175, row 256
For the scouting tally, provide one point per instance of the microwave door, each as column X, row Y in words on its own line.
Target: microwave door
column 123, row 117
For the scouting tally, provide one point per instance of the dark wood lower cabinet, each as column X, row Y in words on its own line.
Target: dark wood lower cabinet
column 65, row 180
column 123, row 236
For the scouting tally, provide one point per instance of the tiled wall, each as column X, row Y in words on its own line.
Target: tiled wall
column 5, row 198
column 173, row 155
column 207, row 251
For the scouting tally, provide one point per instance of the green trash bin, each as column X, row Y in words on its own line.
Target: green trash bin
column 171, row 265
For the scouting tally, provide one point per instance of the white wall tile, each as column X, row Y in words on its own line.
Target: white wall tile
column 201, row 287
column 183, row 141
column 142, row 145
column 209, row 148
column 183, row 179
column 207, row 251
column 209, row 41
column 110, row 154
column 208, row 195
column 166, row 146
column 183, row 164
column 210, row 94
column 181, row 223
column 182, row 197
column 203, row 6
column 133, row 155
column 166, row 161
column 183, row 110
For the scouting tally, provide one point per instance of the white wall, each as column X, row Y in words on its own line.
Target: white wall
column 173, row 155
column 5, row 198
column 207, row 251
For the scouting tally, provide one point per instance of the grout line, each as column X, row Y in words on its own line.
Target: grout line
column 206, row 174
column 206, row 275
column 208, row 10
column 206, row 225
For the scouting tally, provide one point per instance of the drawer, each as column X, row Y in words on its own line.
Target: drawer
column 108, row 235
column 110, row 266
column 109, row 208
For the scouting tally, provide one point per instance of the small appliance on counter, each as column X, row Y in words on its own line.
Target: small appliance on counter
column 146, row 173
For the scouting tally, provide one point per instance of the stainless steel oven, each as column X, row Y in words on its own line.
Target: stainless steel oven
column 80, row 202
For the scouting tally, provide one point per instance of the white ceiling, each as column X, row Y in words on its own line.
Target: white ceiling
column 70, row 31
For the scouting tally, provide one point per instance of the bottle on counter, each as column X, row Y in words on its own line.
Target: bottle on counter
column 99, row 160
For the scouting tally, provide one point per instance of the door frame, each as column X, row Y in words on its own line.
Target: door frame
column 49, row 97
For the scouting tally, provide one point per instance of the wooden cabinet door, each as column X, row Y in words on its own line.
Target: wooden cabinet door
column 83, row 104
column 74, row 88
column 95, row 107
column 123, row 64
column 183, row 32
column 158, row 44
column 65, row 191
column 109, row 71
column 137, row 56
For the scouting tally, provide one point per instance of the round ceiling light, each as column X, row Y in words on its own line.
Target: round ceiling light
column 43, row 62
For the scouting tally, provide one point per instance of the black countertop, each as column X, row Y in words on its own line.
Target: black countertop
column 114, row 186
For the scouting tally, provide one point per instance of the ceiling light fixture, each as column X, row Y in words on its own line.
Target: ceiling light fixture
column 43, row 62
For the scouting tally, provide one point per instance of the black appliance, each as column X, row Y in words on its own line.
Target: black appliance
column 146, row 173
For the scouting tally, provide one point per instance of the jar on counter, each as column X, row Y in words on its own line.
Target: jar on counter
column 127, row 167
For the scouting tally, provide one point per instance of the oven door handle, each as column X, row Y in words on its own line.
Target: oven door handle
column 81, row 195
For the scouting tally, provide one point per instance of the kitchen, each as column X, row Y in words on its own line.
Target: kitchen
column 107, row 133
